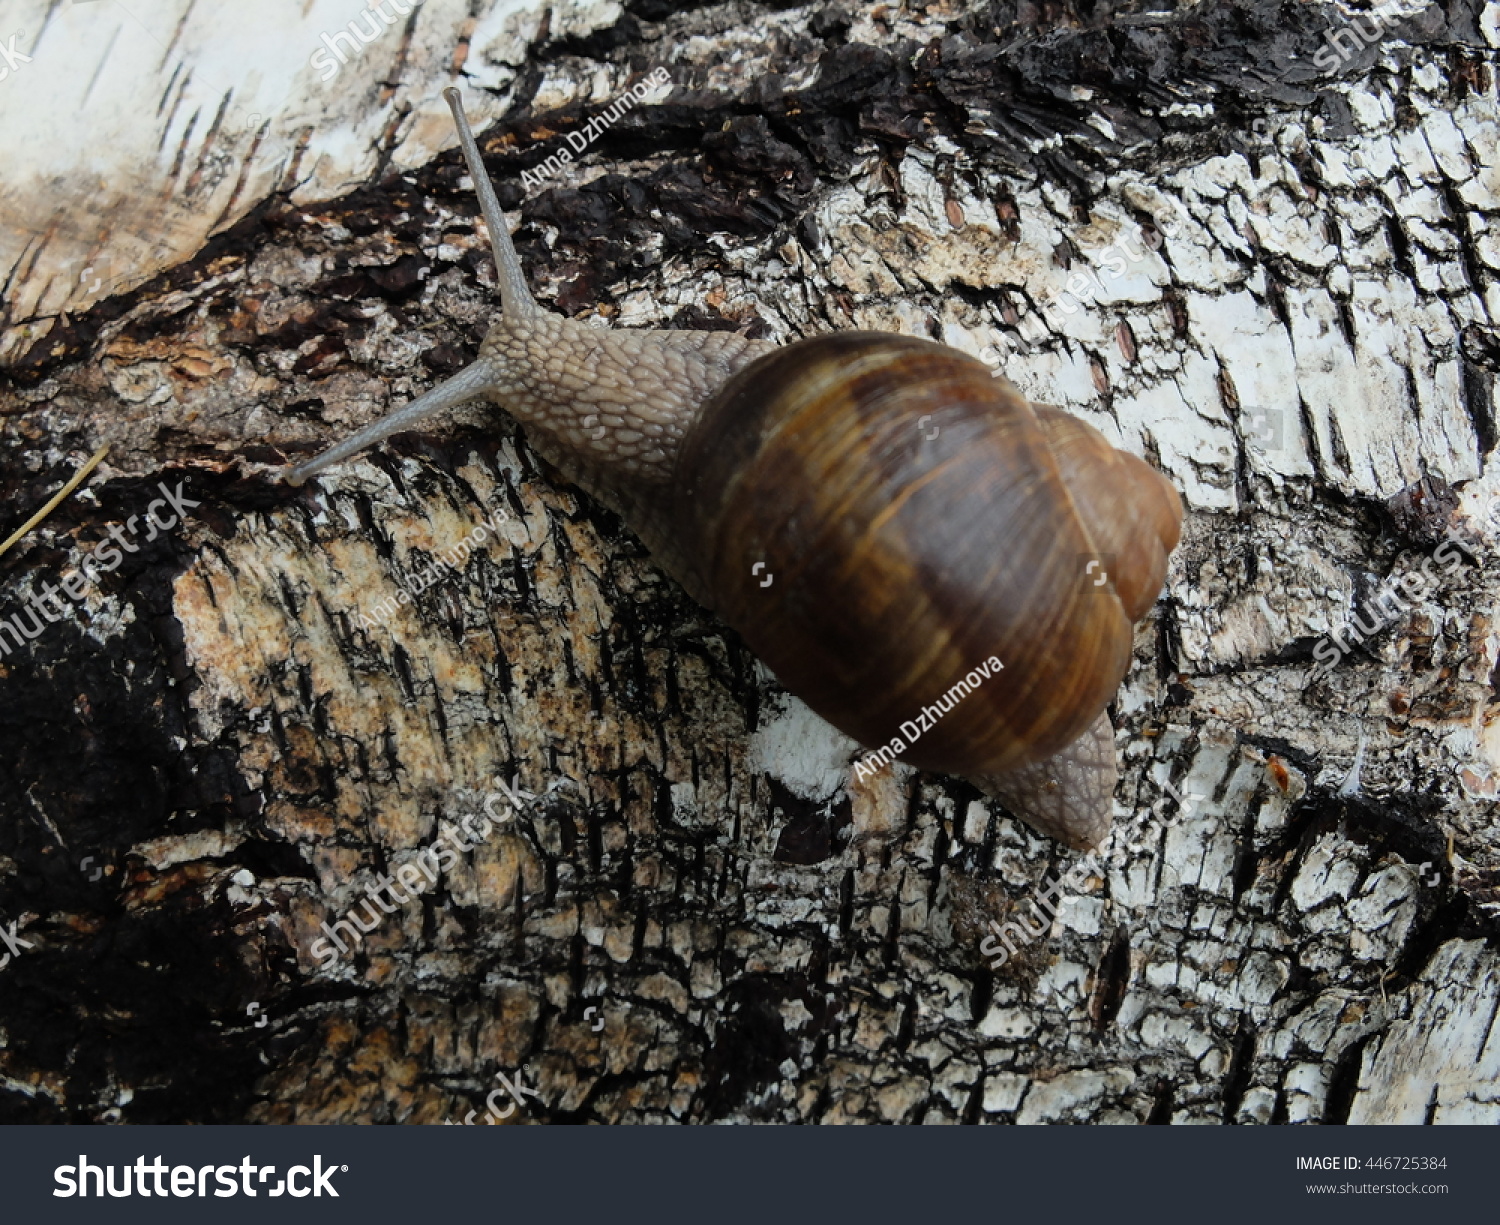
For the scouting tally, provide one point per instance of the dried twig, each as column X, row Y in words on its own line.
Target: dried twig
column 93, row 462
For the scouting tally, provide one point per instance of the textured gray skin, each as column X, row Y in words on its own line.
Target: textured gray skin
column 1070, row 795
column 610, row 409
column 565, row 380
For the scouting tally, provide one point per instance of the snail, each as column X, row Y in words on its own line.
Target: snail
column 905, row 541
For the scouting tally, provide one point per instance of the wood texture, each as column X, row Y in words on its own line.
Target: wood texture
column 211, row 755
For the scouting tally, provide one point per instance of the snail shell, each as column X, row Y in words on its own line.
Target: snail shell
column 902, row 554
column 901, row 563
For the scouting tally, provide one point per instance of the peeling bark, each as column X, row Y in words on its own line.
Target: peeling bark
column 703, row 914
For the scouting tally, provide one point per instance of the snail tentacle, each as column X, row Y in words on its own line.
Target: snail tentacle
column 515, row 294
column 473, row 380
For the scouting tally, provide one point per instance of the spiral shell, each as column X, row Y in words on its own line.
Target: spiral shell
column 904, row 556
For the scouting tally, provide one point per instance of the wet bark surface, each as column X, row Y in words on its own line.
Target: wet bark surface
column 689, row 907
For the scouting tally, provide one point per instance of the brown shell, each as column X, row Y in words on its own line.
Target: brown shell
column 900, row 559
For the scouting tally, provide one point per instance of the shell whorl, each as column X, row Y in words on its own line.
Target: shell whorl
column 900, row 562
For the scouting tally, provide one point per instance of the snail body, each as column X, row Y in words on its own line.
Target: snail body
column 900, row 557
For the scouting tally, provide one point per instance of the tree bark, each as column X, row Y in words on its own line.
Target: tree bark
column 700, row 913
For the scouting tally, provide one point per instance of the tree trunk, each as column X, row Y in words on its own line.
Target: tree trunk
column 1277, row 280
